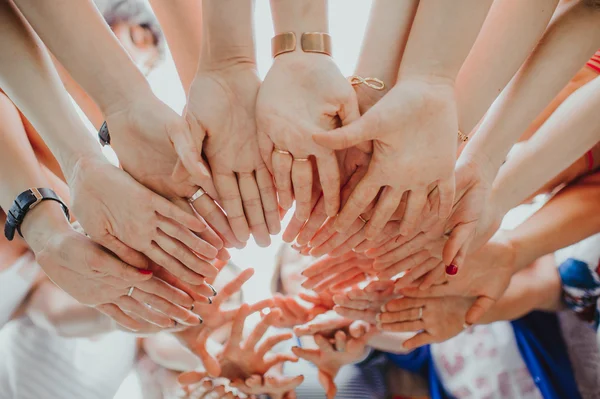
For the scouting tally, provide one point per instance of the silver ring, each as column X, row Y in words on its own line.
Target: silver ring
column 420, row 313
column 199, row 193
column 130, row 291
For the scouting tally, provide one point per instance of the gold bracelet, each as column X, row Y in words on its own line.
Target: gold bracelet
column 310, row 42
column 373, row 83
column 463, row 137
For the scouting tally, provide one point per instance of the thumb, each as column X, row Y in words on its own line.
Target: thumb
column 328, row 385
column 187, row 142
column 478, row 309
column 346, row 136
column 459, row 239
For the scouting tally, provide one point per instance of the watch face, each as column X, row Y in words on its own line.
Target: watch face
column 104, row 135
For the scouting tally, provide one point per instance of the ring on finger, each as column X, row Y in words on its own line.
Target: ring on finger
column 199, row 193
column 282, row 151
column 130, row 291
column 420, row 313
column 301, row 159
column 362, row 219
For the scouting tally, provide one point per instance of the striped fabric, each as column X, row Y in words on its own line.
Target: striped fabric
column 594, row 62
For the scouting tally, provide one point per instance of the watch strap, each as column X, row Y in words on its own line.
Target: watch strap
column 24, row 202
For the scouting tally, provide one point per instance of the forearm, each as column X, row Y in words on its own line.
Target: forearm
column 546, row 154
column 228, row 33
column 385, row 39
column 30, row 80
column 299, row 16
column 569, row 217
column 509, row 34
column 567, row 44
column 181, row 22
column 77, row 35
column 537, row 287
column 441, row 37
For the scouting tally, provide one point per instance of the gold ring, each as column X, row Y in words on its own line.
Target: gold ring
column 463, row 137
column 130, row 291
column 199, row 193
column 373, row 83
column 301, row 159
column 363, row 219
column 420, row 313
column 282, row 151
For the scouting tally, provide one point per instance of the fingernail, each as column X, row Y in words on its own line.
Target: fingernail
column 204, row 170
column 383, row 308
column 213, row 289
column 451, row 270
column 209, row 300
column 192, row 307
column 145, row 271
column 200, row 319
column 378, row 318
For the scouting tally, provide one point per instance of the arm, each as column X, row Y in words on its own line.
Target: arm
column 510, row 32
column 181, row 22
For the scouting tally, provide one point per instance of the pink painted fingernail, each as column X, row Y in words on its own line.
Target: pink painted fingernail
column 145, row 271
column 451, row 270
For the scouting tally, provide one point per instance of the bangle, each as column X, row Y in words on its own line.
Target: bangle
column 373, row 83
column 310, row 42
column 462, row 137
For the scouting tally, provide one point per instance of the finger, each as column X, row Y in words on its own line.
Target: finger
column 320, row 327
column 279, row 358
column 336, row 239
column 172, row 294
column 400, row 304
column 411, row 247
column 358, row 278
column 349, row 135
column 188, row 146
column 459, row 239
column 261, row 328
column 233, row 286
column 353, row 314
column 216, row 218
column 253, row 208
column 187, row 258
column 311, row 355
column 237, row 329
column 478, row 309
column 328, row 384
column 316, row 220
column 210, row 362
column 124, row 252
column 299, row 312
column 130, row 305
column 269, row 343
column 191, row 377
column 357, row 304
column 329, row 176
column 323, row 264
column 405, row 326
column 265, row 146
column 418, row 340
column 419, row 271
column 302, row 179
column 340, row 278
column 436, row 277
column 171, row 311
column 169, row 210
column 292, row 230
column 231, row 200
column 321, row 279
column 446, row 189
column 115, row 313
column 268, row 196
column 384, row 209
column 414, row 208
column 340, row 341
column 404, row 265
column 366, row 190
column 282, row 169
column 400, row 316
column 187, row 238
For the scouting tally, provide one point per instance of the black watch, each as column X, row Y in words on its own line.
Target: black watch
column 104, row 135
column 25, row 202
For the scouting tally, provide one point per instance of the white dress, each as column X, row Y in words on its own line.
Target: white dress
column 36, row 364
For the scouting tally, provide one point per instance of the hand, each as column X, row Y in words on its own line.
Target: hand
column 303, row 93
column 325, row 324
column 242, row 358
column 424, row 153
column 130, row 220
column 437, row 319
column 330, row 358
column 92, row 276
column 364, row 304
column 147, row 137
column 199, row 385
column 274, row 385
column 487, row 274
column 220, row 112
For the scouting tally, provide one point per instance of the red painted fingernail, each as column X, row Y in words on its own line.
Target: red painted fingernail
column 145, row 271
column 451, row 270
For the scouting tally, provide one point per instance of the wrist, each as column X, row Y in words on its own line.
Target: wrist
column 121, row 93
column 223, row 59
column 42, row 223
column 299, row 16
